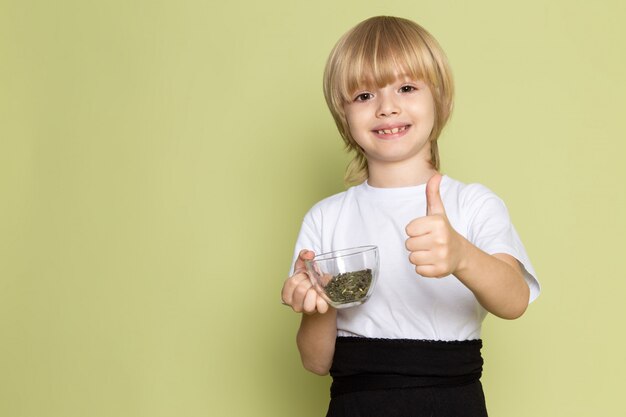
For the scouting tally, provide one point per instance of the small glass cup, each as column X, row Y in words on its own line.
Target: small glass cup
column 346, row 277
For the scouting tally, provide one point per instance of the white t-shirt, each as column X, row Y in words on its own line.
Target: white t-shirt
column 405, row 305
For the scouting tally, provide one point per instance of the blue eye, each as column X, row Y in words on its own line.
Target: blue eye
column 363, row 97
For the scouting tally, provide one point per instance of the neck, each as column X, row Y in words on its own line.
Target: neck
column 383, row 175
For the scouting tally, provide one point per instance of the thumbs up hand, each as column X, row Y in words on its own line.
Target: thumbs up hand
column 435, row 248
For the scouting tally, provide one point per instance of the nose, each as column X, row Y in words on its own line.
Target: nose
column 387, row 106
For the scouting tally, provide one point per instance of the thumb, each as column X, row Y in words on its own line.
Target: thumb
column 434, row 204
column 304, row 255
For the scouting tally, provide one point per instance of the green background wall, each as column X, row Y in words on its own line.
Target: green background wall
column 157, row 157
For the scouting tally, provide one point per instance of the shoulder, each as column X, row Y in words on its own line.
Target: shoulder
column 332, row 204
column 473, row 198
column 468, row 193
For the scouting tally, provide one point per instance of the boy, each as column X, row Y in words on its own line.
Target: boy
column 414, row 348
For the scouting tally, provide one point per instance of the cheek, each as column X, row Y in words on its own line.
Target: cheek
column 352, row 127
column 355, row 121
column 426, row 114
column 431, row 118
column 357, row 137
column 431, row 110
column 352, row 116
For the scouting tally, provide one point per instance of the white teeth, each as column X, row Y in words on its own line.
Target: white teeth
column 391, row 131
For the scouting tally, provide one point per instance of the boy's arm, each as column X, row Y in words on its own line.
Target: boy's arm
column 496, row 280
column 316, row 340
column 437, row 250
column 318, row 327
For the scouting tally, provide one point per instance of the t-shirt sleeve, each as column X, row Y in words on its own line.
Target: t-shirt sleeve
column 309, row 236
column 491, row 230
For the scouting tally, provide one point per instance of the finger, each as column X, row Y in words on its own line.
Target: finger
column 419, row 243
column 322, row 305
column 421, row 258
column 297, row 295
column 418, row 227
column 430, row 271
column 290, row 285
column 310, row 301
column 287, row 292
column 434, row 204
column 304, row 255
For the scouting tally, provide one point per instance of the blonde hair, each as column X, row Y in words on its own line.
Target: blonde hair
column 373, row 53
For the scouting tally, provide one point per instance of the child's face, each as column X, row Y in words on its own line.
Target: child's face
column 393, row 123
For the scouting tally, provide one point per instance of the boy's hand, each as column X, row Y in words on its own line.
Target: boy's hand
column 436, row 248
column 298, row 292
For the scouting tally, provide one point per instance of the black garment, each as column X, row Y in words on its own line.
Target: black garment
column 406, row 378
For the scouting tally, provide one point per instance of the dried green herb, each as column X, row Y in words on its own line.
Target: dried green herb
column 349, row 286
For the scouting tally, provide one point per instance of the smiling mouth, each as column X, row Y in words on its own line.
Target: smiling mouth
column 392, row 131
